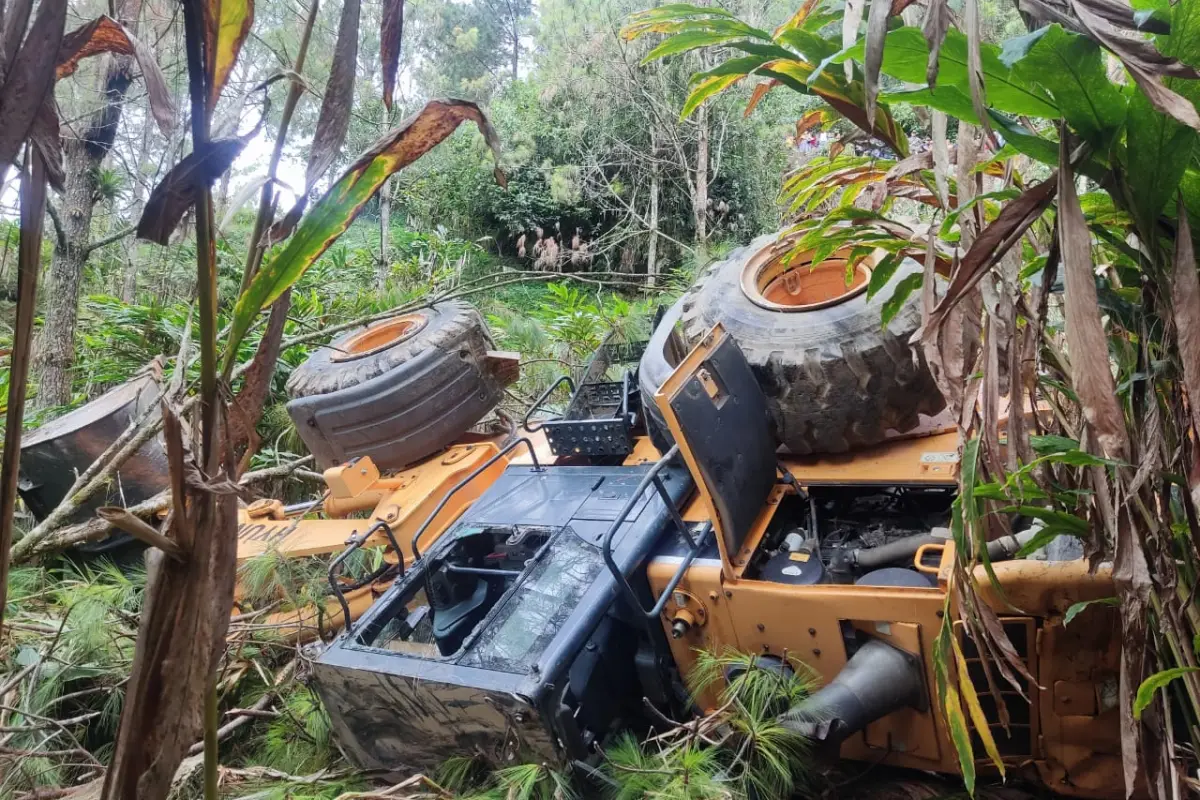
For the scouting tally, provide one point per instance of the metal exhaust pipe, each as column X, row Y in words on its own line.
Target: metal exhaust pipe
column 877, row 680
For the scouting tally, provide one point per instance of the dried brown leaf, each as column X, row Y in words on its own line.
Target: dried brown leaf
column 105, row 35
column 940, row 148
column 907, row 166
column 851, row 19
column 877, row 21
column 1185, row 307
column 176, row 193
column 937, row 21
column 177, row 466
column 16, row 19
column 975, row 63
column 809, row 121
column 282, row 228
column 30, row 78
column 994, row 241
column 334, row 118
column 760, row 91
column 44, row 135
column 1122, row 15
column 1091, row 374
column 391, row 34
column 1163, row 99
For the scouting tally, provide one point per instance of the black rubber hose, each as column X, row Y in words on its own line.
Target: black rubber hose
column 869, row 558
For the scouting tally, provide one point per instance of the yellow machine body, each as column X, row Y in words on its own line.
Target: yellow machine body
column 1066, row 727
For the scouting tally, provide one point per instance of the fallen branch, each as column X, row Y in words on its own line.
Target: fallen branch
column 97, row 528
column 228, row 729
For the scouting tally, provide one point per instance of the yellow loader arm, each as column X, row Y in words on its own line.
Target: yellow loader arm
column 404, row 502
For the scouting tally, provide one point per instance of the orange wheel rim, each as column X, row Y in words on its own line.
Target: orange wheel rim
column 380, row 337
column 772, row 281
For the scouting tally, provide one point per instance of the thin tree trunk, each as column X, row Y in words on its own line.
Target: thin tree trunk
column 652, row 247
column 385, row 223
column 700, row 196
column 82, row 158
column 516, row 42
column 55, row 357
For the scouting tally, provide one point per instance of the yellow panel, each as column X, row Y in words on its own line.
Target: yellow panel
column 907, row 730
column 928, row 460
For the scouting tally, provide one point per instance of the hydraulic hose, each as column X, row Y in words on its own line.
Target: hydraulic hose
column 869, row 558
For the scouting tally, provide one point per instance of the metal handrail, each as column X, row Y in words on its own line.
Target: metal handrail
column 353, row 543
column 537, row 467
column 697, row 543
column 545, row 396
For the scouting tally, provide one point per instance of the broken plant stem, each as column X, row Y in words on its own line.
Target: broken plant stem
column 33, row 207
column 141, row 530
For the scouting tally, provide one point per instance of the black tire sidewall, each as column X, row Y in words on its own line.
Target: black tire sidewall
column 447, row 325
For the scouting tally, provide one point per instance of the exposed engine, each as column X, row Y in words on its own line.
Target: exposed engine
column 841, row 535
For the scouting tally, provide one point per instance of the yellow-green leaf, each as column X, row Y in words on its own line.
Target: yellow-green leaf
column 339, row 206
column 706, row 89
column 226, row 26
column 951, row 704
column 978, row 718
column 1145, row 692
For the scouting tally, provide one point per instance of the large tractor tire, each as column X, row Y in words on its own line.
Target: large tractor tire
column 397, row 391
column 664, row 350
column 835, row 377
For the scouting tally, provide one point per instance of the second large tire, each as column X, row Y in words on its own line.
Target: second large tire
column 397, row 391
column 835, row 377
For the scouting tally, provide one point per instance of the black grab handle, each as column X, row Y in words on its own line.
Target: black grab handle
column 697, row 543
column 353, row 543
column 545, row 396
column 478, row 471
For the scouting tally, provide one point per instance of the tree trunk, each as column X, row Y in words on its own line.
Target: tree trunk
column 700, row 196
column 516, row 41
column 82, row 159
column 385, row 225
column 652, row 247
column 55, row 357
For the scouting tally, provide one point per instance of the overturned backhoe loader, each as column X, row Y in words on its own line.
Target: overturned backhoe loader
column 568, row 597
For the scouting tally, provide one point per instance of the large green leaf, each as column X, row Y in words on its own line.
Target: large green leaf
column 1025, row 140
column 339, row 206
column 1071, row 68
column 1157, row 152
column 810, row 45
column 942, row 97
column 906, row 55
column 691, row 40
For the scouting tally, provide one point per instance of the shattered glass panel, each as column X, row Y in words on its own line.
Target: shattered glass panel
column 534, row 612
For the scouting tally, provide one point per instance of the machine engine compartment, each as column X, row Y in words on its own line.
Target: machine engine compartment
column 843, row 534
